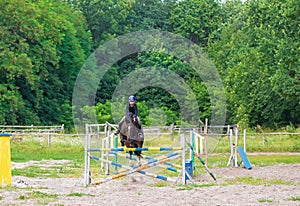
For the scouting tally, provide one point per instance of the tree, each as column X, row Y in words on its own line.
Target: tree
column 250, row 55
column 43, row 45
column 196, row 19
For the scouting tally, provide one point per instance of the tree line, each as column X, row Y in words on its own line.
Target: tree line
column 254, row 46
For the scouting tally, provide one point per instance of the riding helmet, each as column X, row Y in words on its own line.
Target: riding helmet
column 131, row 98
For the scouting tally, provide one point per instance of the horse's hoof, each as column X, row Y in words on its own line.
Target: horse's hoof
column 140, row 163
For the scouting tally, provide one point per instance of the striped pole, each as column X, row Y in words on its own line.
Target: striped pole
column 125, row 149
column 148, row 157
column 141, row 171
column 202, row 161
column 165, row 166
column 144, row 166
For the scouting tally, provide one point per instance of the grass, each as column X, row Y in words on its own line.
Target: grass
column 8, row 188
column 263, row 143
column 159, row 184
column 36, row 195
column 53, row 172
column 257, row 181
column 33, row 150
column 79, row 194
column 265, row 200
column 193, row 186
column 221, row 160
column 294, row 198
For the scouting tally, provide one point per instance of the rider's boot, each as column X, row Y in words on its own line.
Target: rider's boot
column 117, row 132
column 122, row 142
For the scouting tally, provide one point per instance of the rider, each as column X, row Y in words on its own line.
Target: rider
column 131, row 113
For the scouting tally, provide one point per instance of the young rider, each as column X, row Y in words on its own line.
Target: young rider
column 131, row 113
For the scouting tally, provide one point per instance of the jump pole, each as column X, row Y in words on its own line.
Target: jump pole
column 125, row 149
column 141, row 171
column 167, row 165
column 144, row 166
column 202, row 161
column 192, row 153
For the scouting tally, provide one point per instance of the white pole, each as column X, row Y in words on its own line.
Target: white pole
column 231, row 147
column 49, row 140
column 205, row 141
column 235, row 146
column 191, row 143
column 85, row 174
column 196, row 136
column 201, row 144
column 102, row 153
column 182, row 140
column 245, row 140
column 107, row 153
column 88, row 156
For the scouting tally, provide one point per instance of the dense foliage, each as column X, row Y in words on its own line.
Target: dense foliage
column 255, row 46
column 42, row 47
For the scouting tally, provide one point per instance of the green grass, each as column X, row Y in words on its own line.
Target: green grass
column 79, row 194
column 221, row 160
column 36, row 195
column 33, row 150
column 8, row 188
column 263, row 143
column 294, row 198
column 192, row 186
column 159, row 184
column 265, row 200
column 257, row 181
column 53, row 171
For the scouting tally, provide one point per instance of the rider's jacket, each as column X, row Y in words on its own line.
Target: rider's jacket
column 132, row 111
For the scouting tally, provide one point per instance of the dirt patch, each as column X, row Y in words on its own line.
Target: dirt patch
column 137, row 189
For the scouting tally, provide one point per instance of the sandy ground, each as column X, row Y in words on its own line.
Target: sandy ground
column 137, row 189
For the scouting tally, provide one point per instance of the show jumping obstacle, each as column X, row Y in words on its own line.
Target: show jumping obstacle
column 108, row 148
column 107, row 151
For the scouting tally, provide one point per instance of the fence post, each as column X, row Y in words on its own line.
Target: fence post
column 172, row 132
column 5, row 164
column 49, row 139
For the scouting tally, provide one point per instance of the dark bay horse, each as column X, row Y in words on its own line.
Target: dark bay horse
column 132, row 136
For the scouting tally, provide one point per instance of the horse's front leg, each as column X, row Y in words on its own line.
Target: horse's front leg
column 139, row 161
column 131, row 164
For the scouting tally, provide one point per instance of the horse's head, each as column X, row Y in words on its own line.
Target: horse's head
column 135, row 132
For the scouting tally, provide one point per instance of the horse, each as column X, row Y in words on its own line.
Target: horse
column 132, row 136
